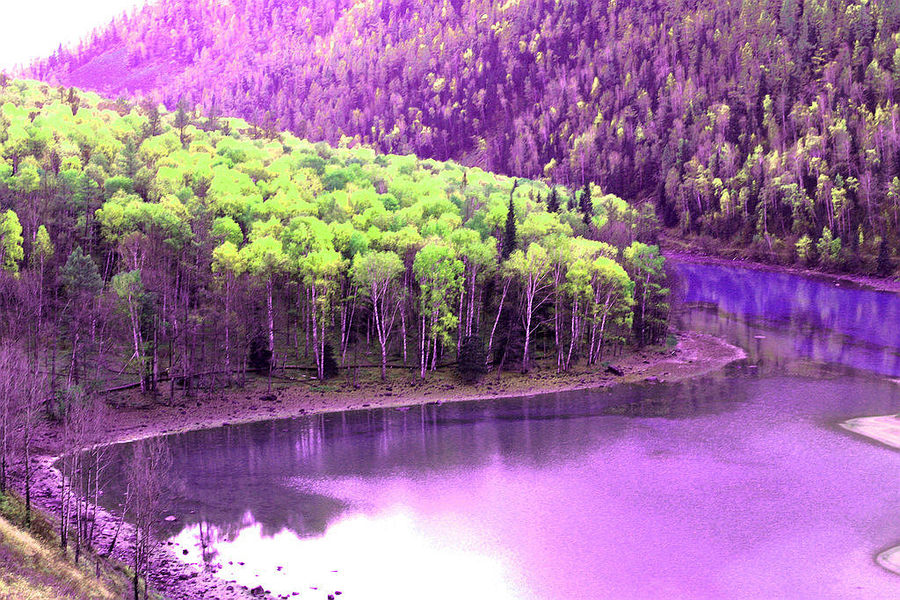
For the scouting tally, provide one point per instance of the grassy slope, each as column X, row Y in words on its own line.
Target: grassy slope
column 33, row 567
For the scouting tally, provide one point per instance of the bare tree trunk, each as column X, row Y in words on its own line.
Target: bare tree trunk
column 506, row 285
column 271, row 322
column 423, row 350
column 459, row 323
column 471, row 311
column 573, row 333
column 403, row 329
column 529, row 304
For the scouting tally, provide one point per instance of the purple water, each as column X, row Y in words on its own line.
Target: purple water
column 735, row 486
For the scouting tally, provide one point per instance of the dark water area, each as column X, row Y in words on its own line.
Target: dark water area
column 781, row 319
column 739, row 485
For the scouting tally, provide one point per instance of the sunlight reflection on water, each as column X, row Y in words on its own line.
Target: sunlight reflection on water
column 352, row 556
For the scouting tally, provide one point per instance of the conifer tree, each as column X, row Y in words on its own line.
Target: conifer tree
column 151, row 110
column 181, row 122
column 509, row 239
column 586, row 205
column 553, row 201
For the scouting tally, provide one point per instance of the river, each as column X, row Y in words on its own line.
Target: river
column 738, row 485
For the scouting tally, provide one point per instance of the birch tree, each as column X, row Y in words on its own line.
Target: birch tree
column 230, row 264
column 532, row 268
column 438, row 273
column 378, row 274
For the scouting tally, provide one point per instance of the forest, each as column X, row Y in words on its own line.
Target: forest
column 139, row 245
column 770, row 126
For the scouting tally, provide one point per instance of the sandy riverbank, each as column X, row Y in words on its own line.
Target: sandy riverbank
column 890, row 560
column 694, row 355
column 884, row 429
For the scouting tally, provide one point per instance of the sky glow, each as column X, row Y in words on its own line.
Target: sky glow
column 32, row 29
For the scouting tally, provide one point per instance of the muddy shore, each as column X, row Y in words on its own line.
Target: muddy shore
column 694, row 355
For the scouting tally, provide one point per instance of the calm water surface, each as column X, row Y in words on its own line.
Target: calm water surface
column 735, row 486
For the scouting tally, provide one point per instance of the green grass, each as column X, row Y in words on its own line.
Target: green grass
column 33, row 567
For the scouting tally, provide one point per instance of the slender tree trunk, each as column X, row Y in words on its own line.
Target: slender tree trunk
column 403, row 329
column 529, row 304
column 506, row 285
column 471, row 311
column 423, row 351
column 573, row 333
column 271, row 320
column 459, row 324
column 228, row 285
column 27, row 451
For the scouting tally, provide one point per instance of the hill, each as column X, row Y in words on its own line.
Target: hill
column 171, row 246
column 771, row 125
column 34, row 567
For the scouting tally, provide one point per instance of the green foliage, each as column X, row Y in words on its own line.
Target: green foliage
column 757, row 119
column 804, row 248
column 42, row 248
column 828, row 248
column 301, row 244
column 11, row 251
column 438, row 272
column 645, row 264
column 509, row 238
column 80, row 274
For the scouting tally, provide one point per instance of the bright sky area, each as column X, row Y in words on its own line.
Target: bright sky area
column 35, row 28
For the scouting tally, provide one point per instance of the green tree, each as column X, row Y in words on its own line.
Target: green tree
column 586, row 205
column 182, row 120
column 130, row 290
column 228, row 262
column 42, row 250
column 532, row 268
column 11, row 250
column 645, row 265
column 438, row 273
column 320, row 271
column 553, row 201
column 266, row 260
column 378, row 274
column 509, row 237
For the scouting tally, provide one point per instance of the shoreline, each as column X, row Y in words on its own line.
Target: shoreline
column 694, row 355
column 890, row 560
column 884, row 429
column 866, row 282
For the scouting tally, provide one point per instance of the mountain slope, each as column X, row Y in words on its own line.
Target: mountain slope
column 766, row 122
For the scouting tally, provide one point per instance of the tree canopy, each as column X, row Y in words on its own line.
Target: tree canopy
column 241, row 249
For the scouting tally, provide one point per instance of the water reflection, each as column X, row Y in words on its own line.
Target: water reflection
column 412, row 441
column 781, row 319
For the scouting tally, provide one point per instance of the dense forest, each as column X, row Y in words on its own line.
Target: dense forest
column 771, row 125
column 149, row 246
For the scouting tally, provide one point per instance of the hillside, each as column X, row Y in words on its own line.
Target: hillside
column 156, row 245
column 771, row 125
column 32, row 566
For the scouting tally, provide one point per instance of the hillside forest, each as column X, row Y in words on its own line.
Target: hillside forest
column 771, row 126
column 182, row 252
